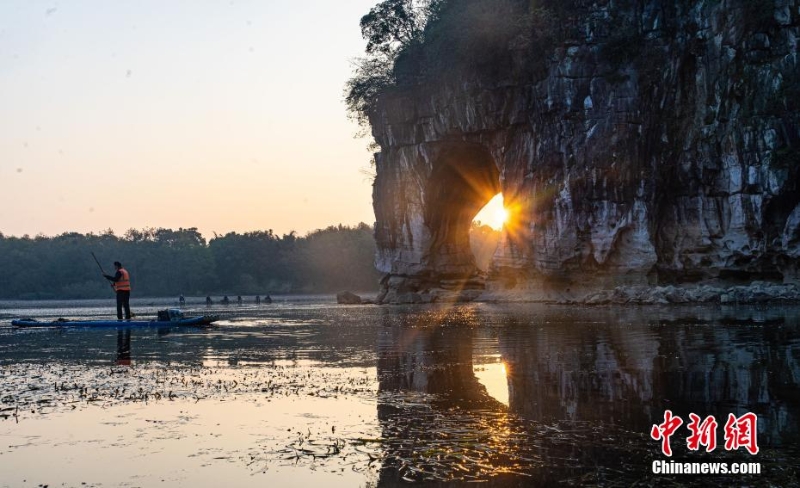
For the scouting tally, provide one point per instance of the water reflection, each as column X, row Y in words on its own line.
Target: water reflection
column 510, row 395
column 124, row 347
column 124, row 343
column 435, row 360
column 494, row 377
column 584, row 388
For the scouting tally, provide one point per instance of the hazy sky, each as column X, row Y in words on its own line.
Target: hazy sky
column 221, row 115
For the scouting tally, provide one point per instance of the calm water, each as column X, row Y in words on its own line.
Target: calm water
column 305, row 392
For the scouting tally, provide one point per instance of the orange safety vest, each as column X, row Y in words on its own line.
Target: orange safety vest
column 124, row 284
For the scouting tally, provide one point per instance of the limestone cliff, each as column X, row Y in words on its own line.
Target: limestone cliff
column 650, row 141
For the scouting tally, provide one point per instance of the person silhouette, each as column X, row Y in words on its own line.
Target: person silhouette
column 121, row 282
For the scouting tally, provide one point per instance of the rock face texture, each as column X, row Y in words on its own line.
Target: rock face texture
column 658, row 144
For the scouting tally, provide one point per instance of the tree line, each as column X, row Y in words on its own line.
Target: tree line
column 167, row 262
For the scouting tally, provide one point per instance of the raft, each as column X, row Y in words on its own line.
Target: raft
column 182, row 322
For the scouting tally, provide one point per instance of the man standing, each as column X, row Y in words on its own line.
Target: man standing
column 121, row 282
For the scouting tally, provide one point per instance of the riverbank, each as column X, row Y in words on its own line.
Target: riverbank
column 757, row 292
column 753, row 293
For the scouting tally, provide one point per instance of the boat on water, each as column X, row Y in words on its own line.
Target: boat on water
column 166, row 318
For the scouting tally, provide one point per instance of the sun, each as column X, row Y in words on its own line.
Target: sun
column 493, row 214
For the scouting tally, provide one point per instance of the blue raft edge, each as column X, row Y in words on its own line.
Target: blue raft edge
column 186, row 322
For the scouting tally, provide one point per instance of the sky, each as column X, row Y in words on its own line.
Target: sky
column 221, row 115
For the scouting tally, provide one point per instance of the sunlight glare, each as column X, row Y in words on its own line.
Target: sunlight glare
column 495, row 378
column 493, row 214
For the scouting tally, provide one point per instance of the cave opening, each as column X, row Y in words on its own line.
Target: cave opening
column 486, row 231
column 464, row 178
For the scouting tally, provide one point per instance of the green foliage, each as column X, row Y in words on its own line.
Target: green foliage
column 166, row 262
column 412, row 42
column 337, row 258
column 390, row 25
column 372, row 75
column 472, row 36
column 390, row 28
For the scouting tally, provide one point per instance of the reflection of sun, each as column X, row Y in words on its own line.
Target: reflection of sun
column 495, row 378
column 493, row 213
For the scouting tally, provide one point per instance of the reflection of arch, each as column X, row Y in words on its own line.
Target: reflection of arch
column 430, row 354
column 463, row 179
column 607, row 373
column 434, row 360
column 563, row 372
column 584, row 384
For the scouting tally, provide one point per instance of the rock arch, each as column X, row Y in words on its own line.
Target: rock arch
column 434, row 191
column 661, row 170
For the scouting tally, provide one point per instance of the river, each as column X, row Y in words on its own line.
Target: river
column 305, row 392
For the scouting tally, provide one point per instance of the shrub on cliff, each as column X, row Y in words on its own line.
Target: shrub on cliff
column 410, row 42
column 389, row 28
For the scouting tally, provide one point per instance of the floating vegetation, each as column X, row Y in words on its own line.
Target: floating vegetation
column 418, row 443
column 396, row 397
column 27, row 388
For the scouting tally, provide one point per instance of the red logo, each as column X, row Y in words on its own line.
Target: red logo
column 739, row 432
column 703, row 434
column 664, row 431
